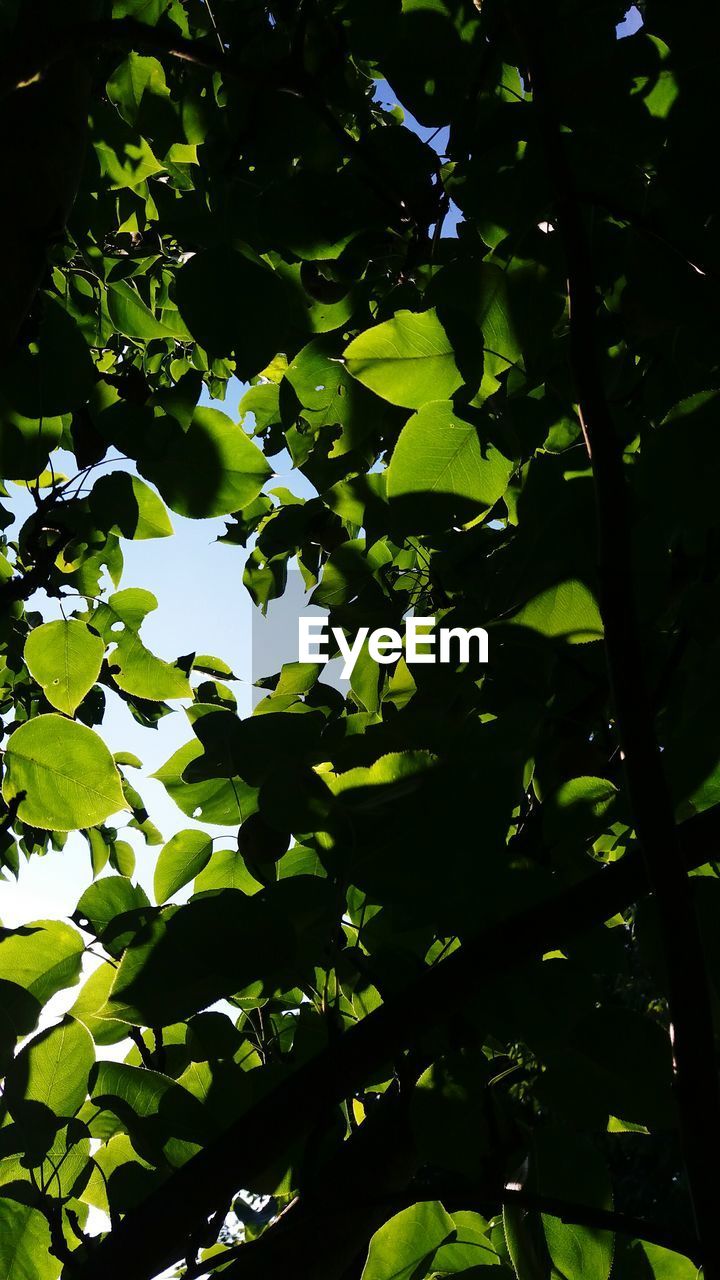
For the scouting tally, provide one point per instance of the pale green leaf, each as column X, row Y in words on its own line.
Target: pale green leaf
column 92, row 998
column 124, row 504
column 65, row 658
column 135, row 77
column 131, row 316
column 25, row 1244
column 43, row 957
column 407, row 360
column 183, row 857
column 568, row 611
column 133, row 667
column 63, row 775
column 52, row 1069
column 666, row 1265
column 409, row 1240
column 440, row 468
column 221, row 801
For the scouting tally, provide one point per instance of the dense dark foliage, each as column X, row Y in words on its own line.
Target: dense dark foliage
column 466, row 946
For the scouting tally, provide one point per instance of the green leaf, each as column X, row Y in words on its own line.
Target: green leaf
column 65, row 1169
column 149, row 11
column 122, row 854
column 212, row 666
column 330, row 398
column 53, row 378
column 577, row 811
column 99, row 849
column 572, row 1170
column 126, row 163
column 43, row 957
column 189, row 956
column 568, row 611
column 65, row 658
column 51, row 1071
column 131, row 316
column 128, row 758
column 133, row 667
column 135, row 77
column 666, row 1265
column 121, row 1177
column 25, row 1243
column 182, row 859
column 408, row 360
column 92, row 998
column 358, row 498
column 63, row 775
column 220, row 801
column 226, row 870
column 481, row 291
column 441, row 471
column 212, row 469
column 218, row 291
column 390, row 776
column 150, row 1106
column 25, row 442
column 470, row 1248
column 123, row 504
column 525, row 1243
column 407, row 1243
column 113, row 909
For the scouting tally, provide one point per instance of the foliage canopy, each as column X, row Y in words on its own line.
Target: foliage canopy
column 451, row 1000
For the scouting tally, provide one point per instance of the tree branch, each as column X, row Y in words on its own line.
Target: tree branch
column 148, row 1239
column 696, row 1083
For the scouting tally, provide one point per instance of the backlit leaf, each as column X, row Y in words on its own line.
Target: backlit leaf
column 211, row 469
column 408, row 360
column 65, row 658
column 181, row 860
column 405, row 1245
column 441, row 471
column 62, row 774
